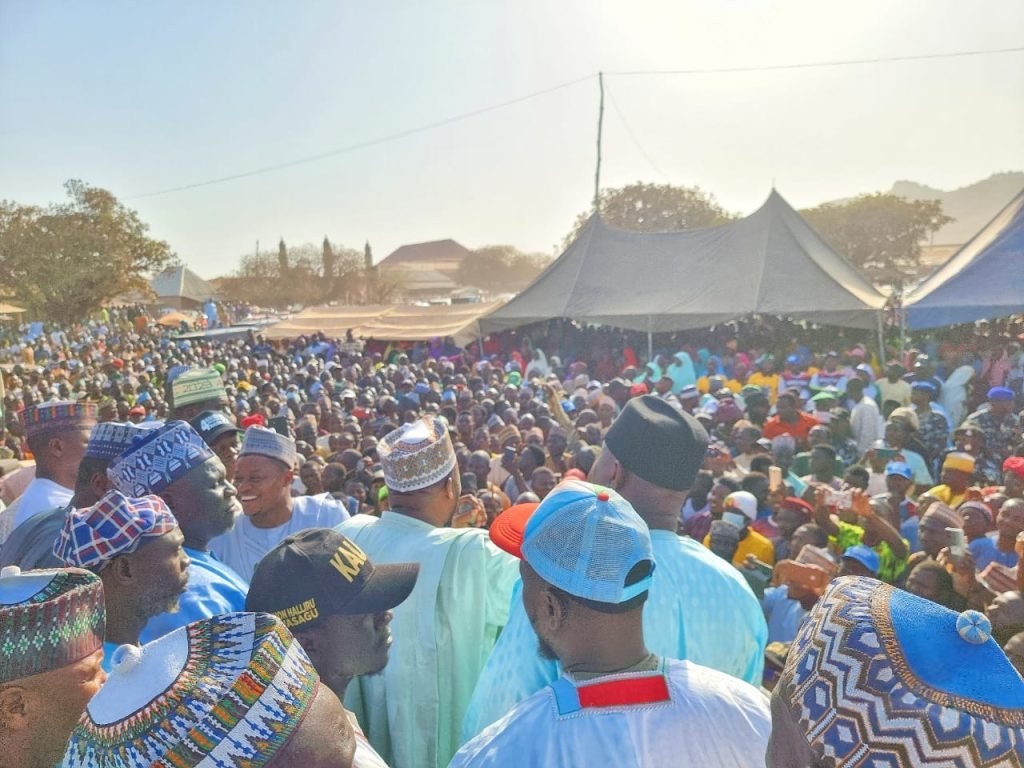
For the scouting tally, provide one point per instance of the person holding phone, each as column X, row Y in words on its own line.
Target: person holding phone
column 872, row 529
column 740, row 510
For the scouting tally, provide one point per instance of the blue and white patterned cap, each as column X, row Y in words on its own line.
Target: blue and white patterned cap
column 260, row 441
column 112, row 438
column 225, row 691
column 879, row 676
column 162, row 456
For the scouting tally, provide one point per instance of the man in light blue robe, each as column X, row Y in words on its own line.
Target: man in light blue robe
column 444, row 632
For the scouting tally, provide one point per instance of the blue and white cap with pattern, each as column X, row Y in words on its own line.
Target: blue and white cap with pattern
column 225, row 691
column 585, row 539
column 878, row 676
column 110, row 439
column 162, row 456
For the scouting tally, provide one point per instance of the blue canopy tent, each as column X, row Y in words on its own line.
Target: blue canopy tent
column 983, row 280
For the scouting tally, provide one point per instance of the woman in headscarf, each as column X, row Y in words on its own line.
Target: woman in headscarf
column 538, row 366
column 954, row 394
column 681, row 371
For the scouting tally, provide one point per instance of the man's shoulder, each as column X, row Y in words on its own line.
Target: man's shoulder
column 693, row 561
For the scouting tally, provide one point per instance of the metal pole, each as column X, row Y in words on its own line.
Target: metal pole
column 650, row 341
column 903, row 331
column 600, row 128
column 881, row 337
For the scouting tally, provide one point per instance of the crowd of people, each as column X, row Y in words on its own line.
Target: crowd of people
column 750, row 550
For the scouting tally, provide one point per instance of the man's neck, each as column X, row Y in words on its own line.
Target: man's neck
column 195, row 541
column 607, row 661
column 274, row 518
column 123, row 628
column 339, row 686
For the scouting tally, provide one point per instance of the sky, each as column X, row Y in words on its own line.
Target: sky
column 140, row 98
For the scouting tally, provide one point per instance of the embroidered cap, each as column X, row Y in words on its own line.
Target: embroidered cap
column 112, row 438
column 259, row 441
column 225, row 691
column 878, row 675
column 583, row 539
column 115, row 525
column 58, row 416
column 197, row 385
column 318, row 573
column 416, row 455
column 48, row 619
column 158, row 459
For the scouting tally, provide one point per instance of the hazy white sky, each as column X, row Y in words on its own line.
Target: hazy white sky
column 137, row 97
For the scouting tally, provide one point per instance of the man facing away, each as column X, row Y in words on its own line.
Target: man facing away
column 700, row 608
column 587, row 564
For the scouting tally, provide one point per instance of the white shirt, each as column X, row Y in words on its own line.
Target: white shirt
column 709, row 720
column 244, row 545
column 366, row 756
column 40, row 496
column 866, row 423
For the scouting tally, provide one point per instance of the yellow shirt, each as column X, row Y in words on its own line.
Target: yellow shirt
column 771, row 383
column 945, row 494
column 752, row 544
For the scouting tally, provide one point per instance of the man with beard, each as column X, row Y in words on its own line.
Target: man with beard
column 51, row 629
column 338, row 606
column 448, row 626
column 263, row 476
column 135, row 546
column 587, row 563
column 174, row 463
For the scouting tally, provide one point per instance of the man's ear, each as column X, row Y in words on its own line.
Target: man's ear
column 554, row 611
column 120, row 568
column 15, row 704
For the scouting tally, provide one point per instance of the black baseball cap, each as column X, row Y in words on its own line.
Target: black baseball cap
column 212, row 424
column 318, row 572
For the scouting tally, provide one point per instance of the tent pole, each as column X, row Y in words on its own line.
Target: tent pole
column 480, row 338
column 650, row 341
column 600, row 128
column 881, row 338
column 903, row 331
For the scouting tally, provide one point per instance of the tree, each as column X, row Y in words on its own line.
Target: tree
column 500, row 268
column 643, row 207
column 63, row 261
column 282, row 258
column 880, row 234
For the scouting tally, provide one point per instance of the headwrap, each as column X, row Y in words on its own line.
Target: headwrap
column 48, row 620
column 58, row 416
column 229, row 690
column 116, row 525
column 158, row 459
column 878, row 675
column 981, row 506
column 416, row 455
column 1015, row 464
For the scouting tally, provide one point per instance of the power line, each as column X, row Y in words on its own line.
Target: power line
column 632, row 136
column 501, row 105
column 814, row 64
column 365, row 144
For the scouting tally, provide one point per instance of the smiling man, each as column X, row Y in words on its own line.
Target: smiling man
column 338, row 606
column 263, row 476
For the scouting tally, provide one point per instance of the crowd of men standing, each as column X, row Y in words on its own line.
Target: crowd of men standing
column 234, row 554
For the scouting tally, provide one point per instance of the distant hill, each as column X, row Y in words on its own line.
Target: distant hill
column 971, row 207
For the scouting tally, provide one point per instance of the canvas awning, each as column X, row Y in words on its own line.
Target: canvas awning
column 386, row 322
column 983, row 280
column 769, row 263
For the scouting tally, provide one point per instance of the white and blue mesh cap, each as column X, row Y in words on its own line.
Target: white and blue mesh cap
column 584, row 539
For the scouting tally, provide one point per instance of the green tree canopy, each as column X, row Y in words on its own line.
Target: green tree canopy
column 643, row 207
column 880, row 234
column 64, row 260
column 500, row 268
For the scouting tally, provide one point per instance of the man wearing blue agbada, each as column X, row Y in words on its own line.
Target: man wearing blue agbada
column 700, row 608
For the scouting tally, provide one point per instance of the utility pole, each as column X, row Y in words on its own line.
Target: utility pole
column 600, row 126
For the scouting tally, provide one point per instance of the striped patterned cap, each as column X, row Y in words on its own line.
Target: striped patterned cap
column 197, row 385
column 115, row 525
column 112, row 438
column 158, row 459
column 224, row 691
column 416, row 455
column 48, row 620
column 58, row 416
column 878, row 676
